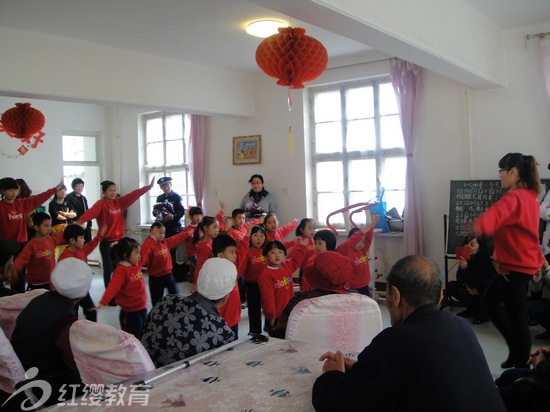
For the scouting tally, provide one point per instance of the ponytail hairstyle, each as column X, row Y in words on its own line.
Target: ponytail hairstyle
column 105, row 185
column 302, row 225
column 527, row 170
column 123, row 249
column 258, row 228
column 200, row 229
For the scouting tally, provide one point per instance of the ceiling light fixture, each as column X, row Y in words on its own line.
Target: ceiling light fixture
column 264, row 28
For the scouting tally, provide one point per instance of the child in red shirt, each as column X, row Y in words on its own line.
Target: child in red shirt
column 274, row 232
column 38, row 255
column 276, row 285
column 195, row 215
column 155, row 254
column 356, row 249
column 206, row 230
column 128, row 287
column 224, row 246
column 74, row 236
column 324, row 240
column 256, row 262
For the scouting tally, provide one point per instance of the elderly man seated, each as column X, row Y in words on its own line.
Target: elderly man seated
column 179, row 327
column 428, row 360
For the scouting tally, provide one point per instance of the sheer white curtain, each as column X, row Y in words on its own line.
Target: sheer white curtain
column 406, row 80
column 197, row 156
column 544, row 43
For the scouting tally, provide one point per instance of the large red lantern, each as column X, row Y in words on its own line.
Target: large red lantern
column 292, row 57
column 22, row 121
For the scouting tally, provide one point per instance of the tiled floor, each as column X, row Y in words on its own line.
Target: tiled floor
column 491, row 341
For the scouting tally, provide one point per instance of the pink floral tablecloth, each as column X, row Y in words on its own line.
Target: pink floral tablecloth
column 271, row 376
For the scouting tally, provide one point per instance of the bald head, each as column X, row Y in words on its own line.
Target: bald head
column 418, row 279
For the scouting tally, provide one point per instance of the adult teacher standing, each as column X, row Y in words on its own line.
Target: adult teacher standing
column 258, row 201
column 513, row 222
column 109, row 211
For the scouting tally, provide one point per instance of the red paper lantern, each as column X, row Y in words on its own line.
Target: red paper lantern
column 292, row 57
column 22, row 121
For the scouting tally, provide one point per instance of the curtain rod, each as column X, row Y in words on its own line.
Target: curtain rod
column 539, row 35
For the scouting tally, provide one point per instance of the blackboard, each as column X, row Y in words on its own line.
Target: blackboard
column 469, row 199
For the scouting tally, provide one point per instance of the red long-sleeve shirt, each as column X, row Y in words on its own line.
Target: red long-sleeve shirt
column 38, row 256
column 310, row 251
column 281, row 232
column 83, row 253
column 359, row 258
column 204, row 251
column 239, row 233
column 190, row 247
column 256, row 262
column 276, row 285
column 127, row 287
column 156, row 255
column 110, row 213
column 513, row 222
column 13, row 216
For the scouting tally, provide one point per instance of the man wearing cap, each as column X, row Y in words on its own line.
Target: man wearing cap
column 179, row 327
column 41, row 334
column 428, row 360
column 169, row 216
column 331, row 274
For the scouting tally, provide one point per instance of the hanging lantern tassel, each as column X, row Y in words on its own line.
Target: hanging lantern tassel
column 292, row 57
column 290, row 145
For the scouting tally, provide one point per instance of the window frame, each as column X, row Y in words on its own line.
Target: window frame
column 379, row 154
column 164, row 169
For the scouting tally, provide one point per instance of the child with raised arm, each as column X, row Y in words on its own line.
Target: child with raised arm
column 356, row 249
column 109, row 211
column 38, row 255
column 127, row 287
column 74, row 235
column 256, row 262
column 324, row 241
column 155, row 254
column 240, row 225
column 276, row 285
column 274, row 232
column 306, row 229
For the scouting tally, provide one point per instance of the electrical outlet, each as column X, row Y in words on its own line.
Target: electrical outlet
column 215, row 193
column 285, row 190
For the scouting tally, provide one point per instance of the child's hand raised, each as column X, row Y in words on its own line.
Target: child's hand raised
column 304, row 241
column 152, row 183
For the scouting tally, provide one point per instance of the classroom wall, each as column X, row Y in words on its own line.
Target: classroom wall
column 461, row 134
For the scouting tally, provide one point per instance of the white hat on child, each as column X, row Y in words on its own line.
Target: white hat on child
column 216, row 278
column 72, row 278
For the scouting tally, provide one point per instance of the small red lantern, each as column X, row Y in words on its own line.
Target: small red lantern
column 292, row 57
column 22, row 121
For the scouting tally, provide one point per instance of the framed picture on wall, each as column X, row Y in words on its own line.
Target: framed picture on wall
column 247, row 149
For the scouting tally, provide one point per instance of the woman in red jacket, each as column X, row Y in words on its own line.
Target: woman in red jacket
column 109, row 212
column 513, row 223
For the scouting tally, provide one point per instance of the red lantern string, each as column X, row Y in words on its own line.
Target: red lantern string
column 292, row 57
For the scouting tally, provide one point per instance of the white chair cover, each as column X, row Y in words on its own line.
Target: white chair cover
column 344, row 322
column 11, row 307
column 106, row 355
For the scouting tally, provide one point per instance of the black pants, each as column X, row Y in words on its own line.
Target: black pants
column 105, row 247
column 157, row 285
column 460, row 292
column 132, row 322
column 505, row 302
column 539, row 310
column 86, row 304
column 253, row 298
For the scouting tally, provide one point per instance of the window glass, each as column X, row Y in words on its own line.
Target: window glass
column 327, row 107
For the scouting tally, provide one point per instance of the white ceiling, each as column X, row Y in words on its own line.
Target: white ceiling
column 207, row 32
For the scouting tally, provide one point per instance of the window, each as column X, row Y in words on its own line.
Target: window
column 166, row 137
column 357, row 147
column 80, row 160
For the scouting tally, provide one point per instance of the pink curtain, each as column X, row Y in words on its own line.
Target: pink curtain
column 197, row 156
column 544, row 43
column 406, row 80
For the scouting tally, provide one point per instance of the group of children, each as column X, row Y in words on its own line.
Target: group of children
column 265, row 262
